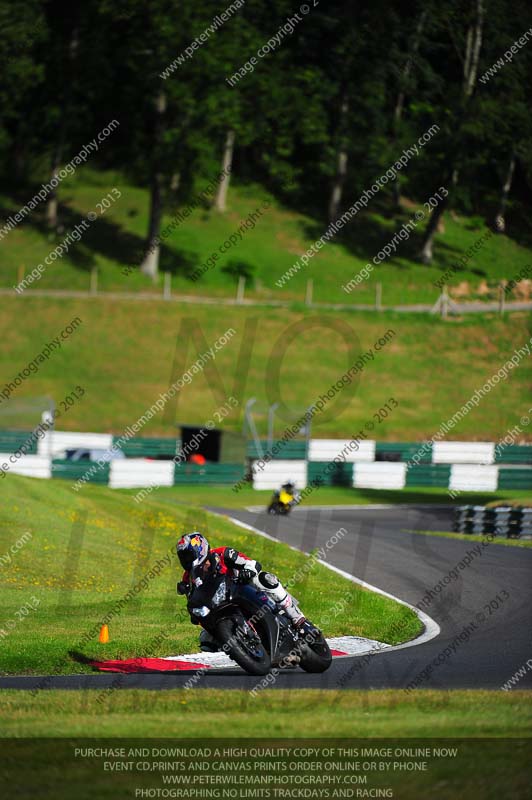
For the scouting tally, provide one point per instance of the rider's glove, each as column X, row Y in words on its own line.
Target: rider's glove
column 183, row 587
column 246, row 575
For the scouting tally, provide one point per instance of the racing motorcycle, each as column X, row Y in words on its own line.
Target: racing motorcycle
column 250, row 629
column 283, row 500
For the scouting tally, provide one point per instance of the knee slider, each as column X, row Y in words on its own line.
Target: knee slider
column 268, row 580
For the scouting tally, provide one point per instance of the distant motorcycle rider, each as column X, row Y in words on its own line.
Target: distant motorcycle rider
column 284, row 499
column 290, row 488
column 198, row 559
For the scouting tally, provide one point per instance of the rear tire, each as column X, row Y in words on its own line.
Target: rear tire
column 254, row 665
column 278, row 508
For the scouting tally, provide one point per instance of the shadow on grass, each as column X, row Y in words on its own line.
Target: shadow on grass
column 368, row 233
column 363, row 237
column 103, row 237
column 107, row 239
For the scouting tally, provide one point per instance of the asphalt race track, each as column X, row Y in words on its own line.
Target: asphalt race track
column 491, row 597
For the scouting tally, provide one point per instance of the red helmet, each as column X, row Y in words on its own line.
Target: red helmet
column 192, row 550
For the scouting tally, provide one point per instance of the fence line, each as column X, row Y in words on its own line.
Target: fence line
column 443, row 305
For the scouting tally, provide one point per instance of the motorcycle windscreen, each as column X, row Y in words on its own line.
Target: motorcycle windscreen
column 202, row 595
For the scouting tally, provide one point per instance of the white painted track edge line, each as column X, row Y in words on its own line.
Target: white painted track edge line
column 431, row 629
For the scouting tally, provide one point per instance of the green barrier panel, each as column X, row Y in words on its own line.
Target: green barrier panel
column 335, row 475
column 402, row 451
column 149, row 447
column 514, row 454
column 74, row 470
column 233, row 448
column 11, row 441
column 429, row 475
column 209, row 473
column 518, row 478
column 294, row 450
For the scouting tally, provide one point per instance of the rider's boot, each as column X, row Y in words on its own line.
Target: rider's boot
column 306, row 629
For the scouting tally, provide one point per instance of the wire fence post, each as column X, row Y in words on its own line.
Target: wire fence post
column 502, row 296
column 378, row 296
column 167, row 291
column 240, row 289
column 309, row 292
column 444, row 302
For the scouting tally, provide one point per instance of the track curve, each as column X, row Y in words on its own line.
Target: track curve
column 381, row 547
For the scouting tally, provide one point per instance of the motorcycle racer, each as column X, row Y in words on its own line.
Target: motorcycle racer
column 198, row 559
column 284, row 499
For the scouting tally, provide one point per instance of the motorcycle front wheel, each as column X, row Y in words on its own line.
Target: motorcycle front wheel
column 316, row 656
column 246, row 649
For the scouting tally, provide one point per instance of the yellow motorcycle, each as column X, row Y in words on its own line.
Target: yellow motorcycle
column 284, row 499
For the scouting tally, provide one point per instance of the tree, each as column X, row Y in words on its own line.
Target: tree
column 158, row 110
column 404, row 84
column 67, row 48
column 499, row 222
column 341, row 159
column 220, row 200
column 473, row 44
column 150, row 264
column 24, row 29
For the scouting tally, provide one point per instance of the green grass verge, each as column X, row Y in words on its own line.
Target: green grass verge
column 224, row 497
column 487, row 766
column 123, row 355
column 279, row 237
column 86, row 552
column 272, row 713
column 470, row 537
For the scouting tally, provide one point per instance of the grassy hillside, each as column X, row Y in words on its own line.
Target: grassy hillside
column 280, row 236
column 124, row 355
column 87, row 551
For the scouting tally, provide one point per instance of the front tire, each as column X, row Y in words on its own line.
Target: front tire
column 253, row 659
column 315, row 657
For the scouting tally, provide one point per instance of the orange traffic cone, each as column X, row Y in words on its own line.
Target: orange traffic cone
column 103, row 638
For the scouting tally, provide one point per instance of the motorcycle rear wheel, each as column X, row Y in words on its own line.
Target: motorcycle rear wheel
column 254, row 664
column 278, row 508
